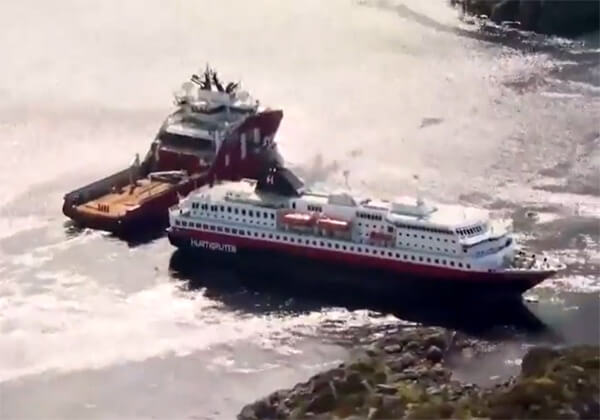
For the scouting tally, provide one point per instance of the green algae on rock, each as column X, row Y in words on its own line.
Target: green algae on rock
column 402, row 377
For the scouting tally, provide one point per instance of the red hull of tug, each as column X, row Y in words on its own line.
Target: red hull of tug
column 152, row 213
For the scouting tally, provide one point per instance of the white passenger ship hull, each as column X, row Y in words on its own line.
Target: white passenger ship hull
column 404, row 273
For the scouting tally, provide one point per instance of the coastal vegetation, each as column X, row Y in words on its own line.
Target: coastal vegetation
column 403, row 375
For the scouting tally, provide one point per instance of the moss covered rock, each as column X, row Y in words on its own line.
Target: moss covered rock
column 379, row 384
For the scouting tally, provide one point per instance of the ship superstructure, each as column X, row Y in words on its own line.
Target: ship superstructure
column 407, row 236
column 215, row 133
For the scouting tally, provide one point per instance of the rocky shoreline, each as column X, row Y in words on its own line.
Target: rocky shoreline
column 404, row 375
column 557, row 17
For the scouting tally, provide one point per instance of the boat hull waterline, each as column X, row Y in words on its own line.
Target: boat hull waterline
column 405, row 275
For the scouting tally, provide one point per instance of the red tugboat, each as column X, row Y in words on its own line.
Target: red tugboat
column 447, row 249
column 215, row 133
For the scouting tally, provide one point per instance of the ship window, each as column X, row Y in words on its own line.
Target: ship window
column 219, row 229
column 314, row 242
column 405, row 257
column 292, row 239
column 437, row 261
column 262, row 235
column 272, row 215
column 243, row 212
column 184, row 223
column 415, row 236
column 412, row 257
column 422, row 236
column 256, row 234
column 265, row 215
column 322, row 243
column 277, row 237
column 242, row 232
column 307, row 242
column 389, row 254
column 390, row 229
column 177, row 222
column 234, row 231
column 198, row 225
column 420, row 258
column 222, row 208
column 250, row 213
column 270, row 236
column 468, row 265
column 294, row 205
column 428, row 260
column 235, row 210
column 205, row 227
column 337, row 246
column 460, row 264
column 344, row 247
column 452, row 263
column 227, row 230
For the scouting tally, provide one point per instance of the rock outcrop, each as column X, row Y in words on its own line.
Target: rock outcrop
column 556, row 17
column 403, row 376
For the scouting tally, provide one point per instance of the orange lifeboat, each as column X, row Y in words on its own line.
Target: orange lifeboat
column 336, row 225
column 298, row 219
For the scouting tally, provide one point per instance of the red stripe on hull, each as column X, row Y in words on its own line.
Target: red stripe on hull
column 347, row 259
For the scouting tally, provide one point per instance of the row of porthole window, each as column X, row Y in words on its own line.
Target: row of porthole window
column 343, row 247
column 431, row 238
column 234, row 210
column 408, row 244
column 237, row 219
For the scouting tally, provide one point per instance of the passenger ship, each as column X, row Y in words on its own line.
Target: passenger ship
column 443, row 248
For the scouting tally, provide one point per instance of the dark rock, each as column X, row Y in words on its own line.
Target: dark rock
column 439, row 340
column 553, row 383
column 413, row 346
column 390, row 407
column 393, row 348
column 386, row 389
column 321, row 403
column 536, row 360
column 350, row 384
column 434, row 354
column 505, row 10
column 569, row 17
column 405, row 360
column 555, row 17
column 247, row 413
column 529, row 14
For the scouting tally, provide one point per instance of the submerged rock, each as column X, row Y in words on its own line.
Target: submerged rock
column 385, row 383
